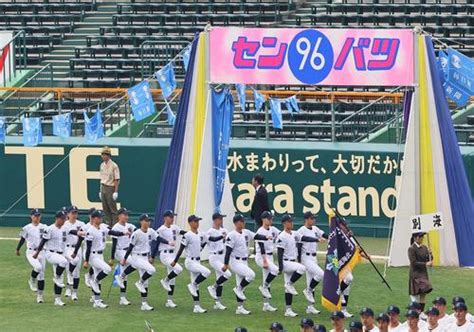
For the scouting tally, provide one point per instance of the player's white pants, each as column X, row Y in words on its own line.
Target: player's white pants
column 74, row 261
column 98, row 263
column 142, row 264
column 56, row 259
column 119, row 255
column 217, row 262
column 38, row 264
column 168, row 258
column 196, row 268
column 290, row 267
column 348, row 281
column 272, row 268
column 313, row 271
column 241, row 270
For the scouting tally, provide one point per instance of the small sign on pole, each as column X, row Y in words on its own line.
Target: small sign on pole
column 427, row 222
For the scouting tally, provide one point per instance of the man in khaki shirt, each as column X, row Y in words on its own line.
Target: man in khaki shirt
column 109, row 183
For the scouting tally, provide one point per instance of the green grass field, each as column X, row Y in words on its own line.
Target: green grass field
column 19, row 311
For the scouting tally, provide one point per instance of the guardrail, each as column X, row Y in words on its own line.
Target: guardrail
column 11, row 64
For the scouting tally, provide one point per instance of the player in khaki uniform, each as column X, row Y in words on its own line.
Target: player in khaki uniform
column 109, row 184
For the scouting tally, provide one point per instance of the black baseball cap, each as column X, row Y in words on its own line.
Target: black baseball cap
column 73, row 209
column 306, row 322
column 393, row 309
column 383, row 317
column 337, row 314
column 439, row 300
column 169, row 213
column 414, row 306
column 460, row 306
column 432, row 311
column 319, row 328
column 238, row 217
column 35, row 212
column 412, row 314
column 123, row 211
column 193, row 217
column 91, row 211
column 240, row 329
column 144, row 216
column 276, row 326
column 60, row 214
column 458, row 299
column 266, row 215
column 286, row 217
column 218, row 215
column 355, row 326
column 97, row 214
column 309, row 215
column 367, row 312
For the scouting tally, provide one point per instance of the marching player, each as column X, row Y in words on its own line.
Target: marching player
column 74, row 267
column 138, row 256
column 462, row 324
column 393, row 313
column 120, row 246
column 194, row 241
column 456, row 300
column 287, row 261
column 310, row 236
column 367, row 319
column 236, row 255
column 264, row 258
column 95, row 246
column 215, row 237
column 169, row 231
column 32, row 234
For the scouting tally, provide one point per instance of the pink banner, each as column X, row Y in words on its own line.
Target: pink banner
column 352, row 57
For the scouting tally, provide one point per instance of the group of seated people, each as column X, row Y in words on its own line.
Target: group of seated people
column 435, row 319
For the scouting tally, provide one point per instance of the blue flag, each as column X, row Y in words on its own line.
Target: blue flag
column 275, row 108
column 141, row 101
column 93, row 127
column 32, row 132
column 292, row 104
column 443, row 65
column 242, row 97
column 2, row 130
column 171, row 116
column 455, row 93
column 186, row 55
column 116, row 273
column 222, row 114
column 461, row 71
column 62, row 125
column 259, row 100
column 166, row 79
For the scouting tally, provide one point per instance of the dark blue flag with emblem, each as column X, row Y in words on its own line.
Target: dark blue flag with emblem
column 341, row 257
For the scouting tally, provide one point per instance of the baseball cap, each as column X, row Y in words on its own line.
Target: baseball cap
column 169, row 213
column 91, row 211
column 240, row 329
column 286, row 217
column 367, row 311
column 144, row 216
column 60, row 214
column 393, row 309
column 72, row 209
column 412, row 314
column 276, row 326
column 458, row 299
column 355, row 326
column 238, row 217
column 414, row 306
column 123, row 211
column 383, row 317
column 217, row 215
column 319, row 328
column 193, row 217
column 35, row 212
column 309, row 215
column 337, row 314
column 266, row 215
column 460, row 306
column 97, row 214
column 432, row 311
column 306, row 322
column 439, row 300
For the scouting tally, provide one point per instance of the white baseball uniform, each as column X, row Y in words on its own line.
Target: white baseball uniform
column 287, row 241
column 96, row 259
column 193, row 243
column 141, row 251
column 55, row 246
column 238, row 262
column 268, row 246
column 33, row 235
column 167, row 251
column 71, row 241
column 217, row 251
column 466, row 327
column 122, row 243
column 308, row 253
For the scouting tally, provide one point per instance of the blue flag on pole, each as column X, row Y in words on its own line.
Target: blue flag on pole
column 93, row 127
column 141, row 101
column 259, row 100
column 292, row 104
column 443, row 65
column 32, row 132
column 275, row 108
column 62, row 125
column 242, row 97
column 116, row 273
column 2, row 130
column 170, row 114
column 166, row 79
column 222, row 114
column 186, row 54
column 461, row 71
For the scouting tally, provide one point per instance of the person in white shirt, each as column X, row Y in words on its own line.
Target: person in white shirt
column 287, row 261
column 417, row 307
column 310, row 236
column 382, row 322
column 193, row 241
column 264, row 258
column 32, row 235
column 120, row 245
column 432, row 320
column 306, row 325
column 461, row 324
column 215, row 237
column 412, row 323
column 456, row 300
column 367, row 319
column 444, row 320
column 337, row 322
column 74, row 267
column 393, row 313
column 236, row 257
column 170, row 232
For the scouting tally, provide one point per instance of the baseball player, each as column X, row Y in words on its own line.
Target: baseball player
column 139, row 257
column 236, row 256
column 95, row 246
column 215, row 237
column 287, row 261
column 169, row 232
column 74, row 267
column 120, row 246
column 193, row 241
column 54, row 239
column 264, row 258
column 310, row 236
column 32, row 235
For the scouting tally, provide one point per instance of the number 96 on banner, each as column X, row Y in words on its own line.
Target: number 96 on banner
column 310, row 56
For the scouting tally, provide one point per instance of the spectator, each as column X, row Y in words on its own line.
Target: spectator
column 337, row 321
column 109, row 184
column 306, row 325
column 382, row 322
column 394, row 314
column 461, row 324
column 356, row 326
column 367, row 318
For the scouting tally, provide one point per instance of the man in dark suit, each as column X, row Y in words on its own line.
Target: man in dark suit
column 260, row 201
